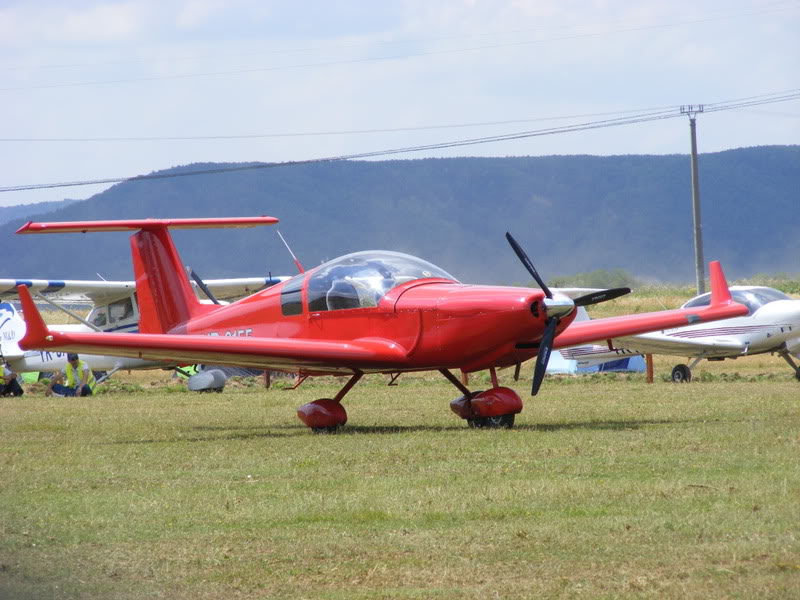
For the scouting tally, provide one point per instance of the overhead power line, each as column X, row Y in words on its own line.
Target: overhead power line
column 330, row 133
column 600, row 124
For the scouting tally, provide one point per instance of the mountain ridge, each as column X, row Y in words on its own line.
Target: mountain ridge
column 571, row 213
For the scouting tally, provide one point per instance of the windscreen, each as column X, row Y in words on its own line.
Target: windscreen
column 753, row 298
column 361, row 279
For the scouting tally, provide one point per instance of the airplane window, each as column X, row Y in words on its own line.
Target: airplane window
column 703, row 300
column 120, row 310
column 291, row 303
column 361, row 279
column 768, row 295
column 753, row 298
column 99, row 319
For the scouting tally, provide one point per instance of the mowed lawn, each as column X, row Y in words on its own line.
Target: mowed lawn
column 606, row 487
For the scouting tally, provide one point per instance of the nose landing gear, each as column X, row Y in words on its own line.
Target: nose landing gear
column 494, row 408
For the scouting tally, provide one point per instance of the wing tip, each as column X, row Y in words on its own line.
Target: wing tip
column 36, row 331
column 720, row 292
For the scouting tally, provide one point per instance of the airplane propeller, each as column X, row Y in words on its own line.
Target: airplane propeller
column 601, row 296
column 555, row 308
column 528, row 264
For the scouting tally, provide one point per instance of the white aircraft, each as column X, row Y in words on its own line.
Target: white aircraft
column 773, row 325
column 114, row 309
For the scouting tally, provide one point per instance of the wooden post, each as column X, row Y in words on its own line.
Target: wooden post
column 267, row 379
column 465, row 378
column 648, row 359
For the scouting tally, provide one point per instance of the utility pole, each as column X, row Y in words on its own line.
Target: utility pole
column 698, row 227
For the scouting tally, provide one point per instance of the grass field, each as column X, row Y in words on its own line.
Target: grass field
column 606, row 487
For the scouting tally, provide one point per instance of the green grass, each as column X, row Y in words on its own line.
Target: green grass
column 607, row 487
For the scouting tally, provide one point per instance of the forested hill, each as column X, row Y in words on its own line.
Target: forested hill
column 571, row 214
column 19, row 211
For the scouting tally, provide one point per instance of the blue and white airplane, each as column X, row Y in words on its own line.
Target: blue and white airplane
column 772, row 326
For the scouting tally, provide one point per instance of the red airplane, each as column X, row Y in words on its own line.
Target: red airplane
column 367, row 312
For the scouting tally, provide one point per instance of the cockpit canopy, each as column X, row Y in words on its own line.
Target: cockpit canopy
column 752, row 297
column 360, row 280
column 357, row 280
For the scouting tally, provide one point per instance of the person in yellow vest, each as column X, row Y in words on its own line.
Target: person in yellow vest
column 9, row 386
column 80, row 380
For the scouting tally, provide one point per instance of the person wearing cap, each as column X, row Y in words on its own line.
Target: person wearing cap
column 80, row 380
column 9, row 386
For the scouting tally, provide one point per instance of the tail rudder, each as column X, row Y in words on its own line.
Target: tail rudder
column 164, row 294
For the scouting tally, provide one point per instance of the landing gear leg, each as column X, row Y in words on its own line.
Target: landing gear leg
column 327, row 415
column 789, row 360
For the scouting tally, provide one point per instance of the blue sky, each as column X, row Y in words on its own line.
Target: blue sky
column 300, row 75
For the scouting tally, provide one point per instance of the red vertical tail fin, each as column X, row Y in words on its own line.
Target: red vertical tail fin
column 164, row 294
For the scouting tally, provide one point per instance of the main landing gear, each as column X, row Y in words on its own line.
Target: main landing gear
column 327, row 415
column 785, row 355
column 683, row 373
column 494, row 408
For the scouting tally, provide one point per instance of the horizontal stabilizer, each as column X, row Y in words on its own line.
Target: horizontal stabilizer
column 145, row 224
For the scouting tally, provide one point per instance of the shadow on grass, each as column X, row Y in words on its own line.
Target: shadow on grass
column 221, row 433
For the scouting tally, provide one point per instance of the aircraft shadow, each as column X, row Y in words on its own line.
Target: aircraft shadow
column 221, row 433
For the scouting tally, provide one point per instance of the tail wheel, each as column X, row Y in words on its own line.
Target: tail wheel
column 681, row 374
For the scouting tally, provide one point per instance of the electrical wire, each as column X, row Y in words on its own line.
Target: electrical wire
column 600, row 124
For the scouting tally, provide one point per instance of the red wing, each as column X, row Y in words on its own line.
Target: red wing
column 234, row 351
column 721, row 306
column 584, row 332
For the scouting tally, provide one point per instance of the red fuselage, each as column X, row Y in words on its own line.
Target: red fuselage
column 439, row 323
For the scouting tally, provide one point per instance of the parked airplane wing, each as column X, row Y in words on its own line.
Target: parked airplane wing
column 659, row 343
column 69, row 291
column 90, row 292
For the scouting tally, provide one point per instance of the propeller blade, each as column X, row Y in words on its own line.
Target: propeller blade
column 545, row 347
column 528, row 264
column 601, row 296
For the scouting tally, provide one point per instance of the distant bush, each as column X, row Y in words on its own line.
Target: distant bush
column 788, row 284
column 599, row 278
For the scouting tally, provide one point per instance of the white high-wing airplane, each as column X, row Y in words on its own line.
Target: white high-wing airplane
column 114, row 309
column 773, row 325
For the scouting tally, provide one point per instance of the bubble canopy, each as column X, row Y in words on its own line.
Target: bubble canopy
column 361, row 279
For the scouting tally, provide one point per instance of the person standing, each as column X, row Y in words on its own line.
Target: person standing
column 9, row 386
column 80, row 380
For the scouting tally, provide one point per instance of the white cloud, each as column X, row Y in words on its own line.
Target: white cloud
column 101, row 23
column 195, row 13
column 29, row 25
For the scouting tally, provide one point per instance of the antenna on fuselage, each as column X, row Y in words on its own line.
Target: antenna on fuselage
column 202, row 285
column 296, row 262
